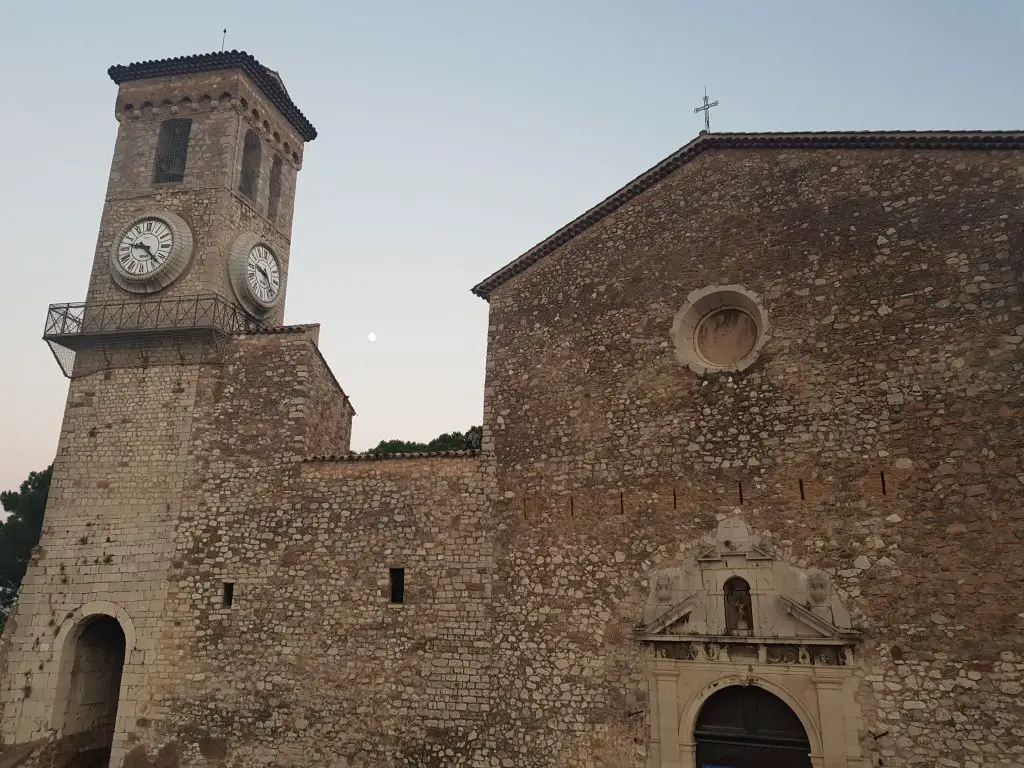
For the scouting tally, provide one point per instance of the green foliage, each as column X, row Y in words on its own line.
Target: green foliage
column 449, row 441
column 19, row 533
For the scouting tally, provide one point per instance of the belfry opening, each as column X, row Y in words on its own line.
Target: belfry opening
column 97, row 650
column 744, row 726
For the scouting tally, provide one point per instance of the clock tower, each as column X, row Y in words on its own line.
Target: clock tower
column 202, row 184
column 196, row 227
column 193, row 249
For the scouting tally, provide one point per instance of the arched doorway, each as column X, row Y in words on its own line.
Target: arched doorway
column 744, row 726
column 97, row 649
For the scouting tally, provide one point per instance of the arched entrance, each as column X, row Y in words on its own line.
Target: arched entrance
column 97, row 650
column 744, row 726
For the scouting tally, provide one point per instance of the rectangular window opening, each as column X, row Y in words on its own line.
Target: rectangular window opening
column 252, row 153
column 172, row 150
column 275, row 189
column 228, row 597
column 397, row 581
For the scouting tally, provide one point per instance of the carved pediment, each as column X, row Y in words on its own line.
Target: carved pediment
column 677, row 614
column 732, row 538
column 816, row 620
column 735, row 587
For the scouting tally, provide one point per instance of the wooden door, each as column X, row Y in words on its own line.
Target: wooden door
column 747, row 727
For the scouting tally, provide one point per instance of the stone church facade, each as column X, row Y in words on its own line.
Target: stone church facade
column 749, row 493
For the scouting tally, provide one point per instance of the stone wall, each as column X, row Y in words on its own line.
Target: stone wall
column 311, row 662
column 118, row 490
column 106, row 545
column 892, row 281
column 876, row 437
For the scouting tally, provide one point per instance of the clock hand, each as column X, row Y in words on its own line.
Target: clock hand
column 144, row 247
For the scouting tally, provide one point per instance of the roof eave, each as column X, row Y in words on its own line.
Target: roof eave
column 270, row 85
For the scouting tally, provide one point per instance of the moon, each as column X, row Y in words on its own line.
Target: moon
column 371, row 336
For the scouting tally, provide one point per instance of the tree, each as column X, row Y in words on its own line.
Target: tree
column 449, row 441
column 19, row 533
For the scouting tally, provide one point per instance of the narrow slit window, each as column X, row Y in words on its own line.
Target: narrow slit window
column 801, row 490
column 397, row 580
column 228, row 596
column 882, row 478
column 275, row 189
column 172, row 150
column 252, row 153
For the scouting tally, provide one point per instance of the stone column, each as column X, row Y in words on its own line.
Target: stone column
column 666, row 684
column 832, row 717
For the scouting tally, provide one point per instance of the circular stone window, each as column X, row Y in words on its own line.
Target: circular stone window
column 720, row 328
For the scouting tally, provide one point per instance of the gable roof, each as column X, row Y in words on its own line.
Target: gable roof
column 267, row 80
column 964, row 140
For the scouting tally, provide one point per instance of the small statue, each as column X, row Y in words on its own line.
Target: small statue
column 663, row 589
column 741, row 616
column 817, row 586
column 819, row 593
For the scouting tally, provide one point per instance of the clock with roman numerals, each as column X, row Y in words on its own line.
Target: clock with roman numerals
column 151, row 253
column 262, row 276
column 257, row 277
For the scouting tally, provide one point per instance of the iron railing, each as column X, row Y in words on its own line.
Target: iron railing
column 206, row 311
column 76, row 325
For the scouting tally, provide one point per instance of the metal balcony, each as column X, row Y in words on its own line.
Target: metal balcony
column 79, row 325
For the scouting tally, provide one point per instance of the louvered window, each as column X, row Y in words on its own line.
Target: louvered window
column 275, row 189
column 249, row 183
column 172, row 150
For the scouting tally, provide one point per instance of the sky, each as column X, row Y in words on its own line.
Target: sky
column 453, row 137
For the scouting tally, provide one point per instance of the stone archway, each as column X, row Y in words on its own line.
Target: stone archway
column 744, row 726
column 86, row 708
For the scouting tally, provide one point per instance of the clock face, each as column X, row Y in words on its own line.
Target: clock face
column 144, row 248
column 152, row 253
column 262, row 275
column 256, row 274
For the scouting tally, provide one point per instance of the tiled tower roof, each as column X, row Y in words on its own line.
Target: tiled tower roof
column 267, row 80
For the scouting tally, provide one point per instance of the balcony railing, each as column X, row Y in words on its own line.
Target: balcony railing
column 76, row 325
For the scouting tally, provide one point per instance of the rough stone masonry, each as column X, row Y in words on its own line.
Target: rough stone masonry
column 754, row 422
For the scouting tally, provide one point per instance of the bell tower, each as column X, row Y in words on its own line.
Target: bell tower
column 196, row 226
column 193, row 248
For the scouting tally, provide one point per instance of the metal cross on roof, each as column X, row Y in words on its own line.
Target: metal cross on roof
column 706, row 109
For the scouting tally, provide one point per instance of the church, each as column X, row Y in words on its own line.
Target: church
column 750, row 491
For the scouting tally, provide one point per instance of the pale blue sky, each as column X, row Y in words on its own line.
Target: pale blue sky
column 453, row 136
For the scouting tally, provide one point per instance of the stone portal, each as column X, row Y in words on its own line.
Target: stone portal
column 753, row 660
